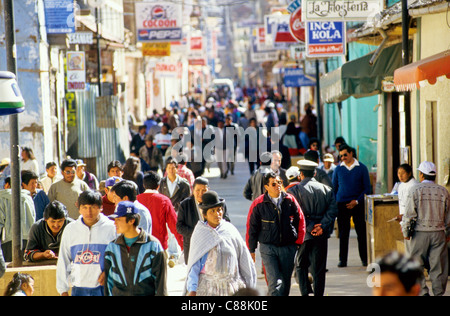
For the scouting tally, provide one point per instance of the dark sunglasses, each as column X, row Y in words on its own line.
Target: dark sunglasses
column 274, row 184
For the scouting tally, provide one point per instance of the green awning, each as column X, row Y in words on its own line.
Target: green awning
column 357, row 78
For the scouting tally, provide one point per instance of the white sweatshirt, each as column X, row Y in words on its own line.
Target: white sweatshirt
column 81, row 253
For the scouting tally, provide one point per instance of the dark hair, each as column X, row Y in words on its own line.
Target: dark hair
column 406, row 167
column 349, row 149
column 308, row 173
column 114, row 164
column 131, row 168
column 50, row 164
column 90, row 197
column 8, row 180
column 55, row 210
column 125, row 188
column 408, row 170
column 268, row 176
column 29, row 152
column 201, row 181
column 340, row 140
column 68, row 163
column 151, row 181
column 312, row 155
column 16, row 283
column 171, row 161
column 136, row 218
column 429, row 177
column 28, row 175
column 313, row 140
column 408, row 270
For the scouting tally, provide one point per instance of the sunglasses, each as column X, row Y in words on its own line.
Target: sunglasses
column 69, row 172
column 275, row 183
column 344, row 155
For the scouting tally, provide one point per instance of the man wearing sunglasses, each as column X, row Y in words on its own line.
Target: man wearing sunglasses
column 350, row 183
column 69, row 188
column 276, row 222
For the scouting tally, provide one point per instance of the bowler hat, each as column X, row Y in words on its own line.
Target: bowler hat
column 210, row 199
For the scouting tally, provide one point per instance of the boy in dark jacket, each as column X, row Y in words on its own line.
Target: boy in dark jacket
column 135, row 263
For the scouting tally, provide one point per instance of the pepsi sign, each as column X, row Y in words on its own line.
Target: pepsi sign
column 158, row 21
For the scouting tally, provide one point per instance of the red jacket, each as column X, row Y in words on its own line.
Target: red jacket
column 163, row 215
column 268, row 224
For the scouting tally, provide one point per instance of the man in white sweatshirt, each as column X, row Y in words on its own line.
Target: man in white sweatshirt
column 83, row 244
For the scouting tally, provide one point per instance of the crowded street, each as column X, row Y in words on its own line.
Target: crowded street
column 224, row 148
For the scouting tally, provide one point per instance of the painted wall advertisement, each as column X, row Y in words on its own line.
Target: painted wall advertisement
column 325, row 39
column 76, row 71
column 158, row 21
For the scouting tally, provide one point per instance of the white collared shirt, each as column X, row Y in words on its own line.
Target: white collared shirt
column 354, row 164
column 172, row 185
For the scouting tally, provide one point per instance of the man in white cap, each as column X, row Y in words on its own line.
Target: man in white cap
column 320, row 209
column 426, row 223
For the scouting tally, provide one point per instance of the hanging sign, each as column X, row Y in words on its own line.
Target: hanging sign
column 156, row 49
column 325, row 39
column 297, row 26
column 76, row 71
column 158, row 21
column 340, row 10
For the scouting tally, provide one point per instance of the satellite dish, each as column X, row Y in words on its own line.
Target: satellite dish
column 96, row 3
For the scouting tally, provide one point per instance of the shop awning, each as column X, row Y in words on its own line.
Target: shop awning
column 427, row 70
column 357, row 78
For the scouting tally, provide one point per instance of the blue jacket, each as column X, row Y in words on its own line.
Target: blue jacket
column 139, row 270
column 41, row 201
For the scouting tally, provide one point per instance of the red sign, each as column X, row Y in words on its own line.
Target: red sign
column 297, row 26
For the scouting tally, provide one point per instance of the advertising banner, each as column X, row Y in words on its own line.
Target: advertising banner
column 156, row 49
column 295, row 78
column 325, row 39
column 76, row 71
column 158, row 21
column 59, row 16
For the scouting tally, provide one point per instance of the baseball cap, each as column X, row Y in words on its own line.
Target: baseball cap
column 428, row 168
column 292, row 173
column 80, row 162
column 111, row 181
column 328, row 157
column 123, row 209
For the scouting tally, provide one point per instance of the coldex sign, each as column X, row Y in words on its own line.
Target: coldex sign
column 158, row 21
column 297, row 26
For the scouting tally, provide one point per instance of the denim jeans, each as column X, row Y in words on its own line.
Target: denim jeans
column 279, row 264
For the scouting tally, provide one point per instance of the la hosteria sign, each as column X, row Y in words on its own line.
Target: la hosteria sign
column 340, row 10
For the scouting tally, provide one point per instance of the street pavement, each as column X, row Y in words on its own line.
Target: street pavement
column 349, row 281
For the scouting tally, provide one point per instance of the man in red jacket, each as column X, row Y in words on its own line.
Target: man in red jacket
column 276, row 222
column 161, row 209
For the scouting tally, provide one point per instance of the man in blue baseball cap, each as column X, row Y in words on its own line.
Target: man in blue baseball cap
column 108, row 199
column 127, row 254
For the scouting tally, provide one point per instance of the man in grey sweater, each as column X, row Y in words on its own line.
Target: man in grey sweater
column 426, row 223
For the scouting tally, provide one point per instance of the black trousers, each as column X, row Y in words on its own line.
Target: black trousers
column 343, row 220
column 312, row 254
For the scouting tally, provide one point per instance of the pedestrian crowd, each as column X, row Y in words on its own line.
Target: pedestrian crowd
column 117, row 236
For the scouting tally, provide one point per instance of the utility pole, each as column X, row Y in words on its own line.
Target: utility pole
column 405, row 61
column 10, row 41
column 99, row 51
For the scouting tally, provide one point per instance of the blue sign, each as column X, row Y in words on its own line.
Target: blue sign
column 59, row 16
column 325, row 39
column 295, row 77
